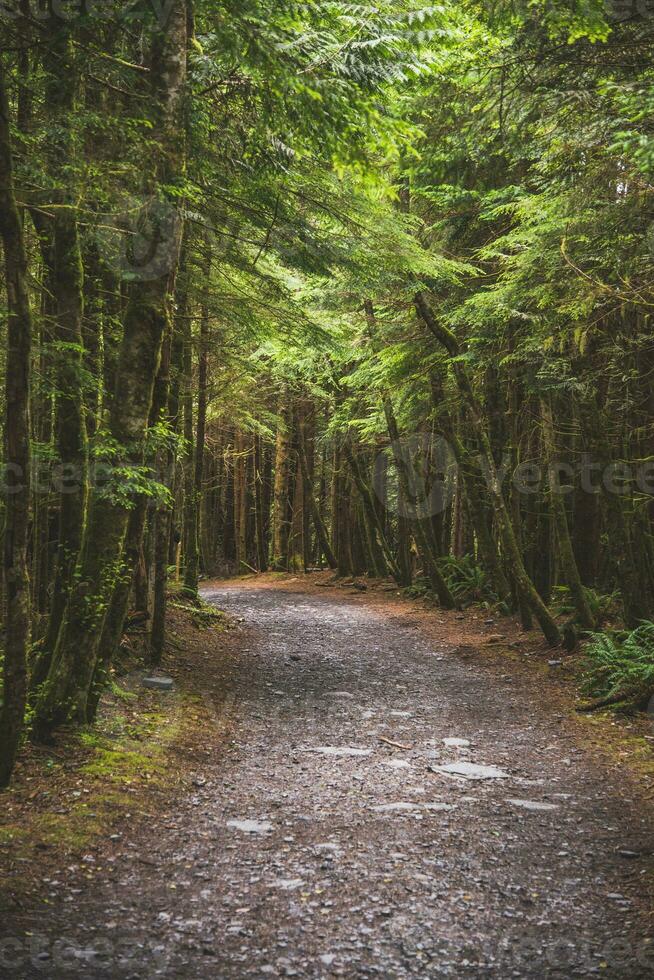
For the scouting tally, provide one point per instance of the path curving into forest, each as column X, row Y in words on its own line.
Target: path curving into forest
column 314, row 848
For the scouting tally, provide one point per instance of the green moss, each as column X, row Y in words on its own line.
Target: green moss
column 120, row 754
column 203, row 615
column 12, row 835
column 122, row 694
column 120, row 765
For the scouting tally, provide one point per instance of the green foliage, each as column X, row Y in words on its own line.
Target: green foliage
column 603, row 607
column 621, row 665
column 466, row 580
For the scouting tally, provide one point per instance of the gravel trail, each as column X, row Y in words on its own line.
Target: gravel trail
column 380, row 809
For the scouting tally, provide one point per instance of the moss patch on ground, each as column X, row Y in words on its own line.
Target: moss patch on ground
column 66, row 798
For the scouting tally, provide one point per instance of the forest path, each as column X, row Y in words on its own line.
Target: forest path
column 313, row 848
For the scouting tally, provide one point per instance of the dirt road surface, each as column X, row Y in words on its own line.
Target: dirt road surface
column 379, row 808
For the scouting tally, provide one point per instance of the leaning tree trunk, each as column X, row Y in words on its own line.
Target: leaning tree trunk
column 17, row 456
column 524, row 585
column 65, row 692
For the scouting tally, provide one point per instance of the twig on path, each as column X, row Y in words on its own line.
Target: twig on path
column 396, row 745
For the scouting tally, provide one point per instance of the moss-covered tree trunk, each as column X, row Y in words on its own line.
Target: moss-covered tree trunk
column 281, row 523
column 17, row 455
column 318, row 522
column 524, row 585
column 66, row 277
column 568, row 563
column 114, row 623
column 65, row 692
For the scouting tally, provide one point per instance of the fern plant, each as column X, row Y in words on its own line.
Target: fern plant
column 603, row 606
column 620, row 666
column 466, row 580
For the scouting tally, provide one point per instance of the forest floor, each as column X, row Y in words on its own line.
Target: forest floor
column 344, row 783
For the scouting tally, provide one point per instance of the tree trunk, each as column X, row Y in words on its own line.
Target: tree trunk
column 318, row 522
column 371, row 510
column 201, row 421
column 281, row 525
column 67, row 278
column 65, row 693
column 524, row 585
column 165, row 546
column 17, row 455
column 557, row 506
column 419, row 524
column 190, row 536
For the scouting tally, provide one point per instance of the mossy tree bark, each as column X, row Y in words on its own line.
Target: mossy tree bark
column 525, row 587
column 281, row 522
column 65, row 692
column 17, row 455
column 567, row 559
column 66, row 277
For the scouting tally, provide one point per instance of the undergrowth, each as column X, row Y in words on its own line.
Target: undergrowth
column 467, row 581
column 620, row 666
column 604, row 607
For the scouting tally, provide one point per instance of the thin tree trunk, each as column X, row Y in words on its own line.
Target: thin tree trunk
column 201, row 421
column 318, row 522
column 164, row 530
column 418, row 524
column 281, row 526
column 190, row 537
column 557, row 506
column 371, row 510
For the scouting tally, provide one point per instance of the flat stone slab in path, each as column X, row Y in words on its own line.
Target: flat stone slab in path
column 159, row 683
column 250, row 826
column 535, row 805
column 470, row 770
